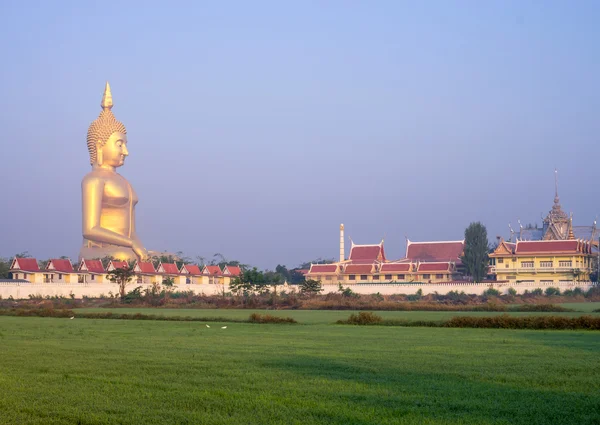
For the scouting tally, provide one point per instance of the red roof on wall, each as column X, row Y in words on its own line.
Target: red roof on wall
column 232, row 270
column 170, row 268
column 359, row 268
column 192, row 269
column 94, row 266
column 434, row 251
column 548, row 247
column 146, row 267
column 367, row 253
column 26, row 264
column 212, row 270
column 323, row 268
column 396, row 267
column 433, row 267
column 60, row 265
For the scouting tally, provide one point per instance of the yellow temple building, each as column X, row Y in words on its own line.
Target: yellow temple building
column 558, row 252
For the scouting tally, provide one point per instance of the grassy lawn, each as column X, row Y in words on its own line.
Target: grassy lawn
column 325, row 316
column 61, row 371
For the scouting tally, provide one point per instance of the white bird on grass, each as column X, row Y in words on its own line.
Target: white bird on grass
column 207, row 326
column 224, row 327
column 72, row 317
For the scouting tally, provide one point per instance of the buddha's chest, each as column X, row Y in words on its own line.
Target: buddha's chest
column 118, row 193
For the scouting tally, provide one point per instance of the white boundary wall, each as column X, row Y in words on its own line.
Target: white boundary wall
column 95, row 290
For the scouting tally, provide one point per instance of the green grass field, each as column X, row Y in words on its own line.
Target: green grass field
column 331, row 316
column 61, row 371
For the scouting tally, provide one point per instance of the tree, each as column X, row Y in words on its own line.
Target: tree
column 475, row 257
column 168, row 281
column 311, row 287
column 319, row 260
column 4, row 268
column 284, row 272
column 121, row 276
column 273, row 279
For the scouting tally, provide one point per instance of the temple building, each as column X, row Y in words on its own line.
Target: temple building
column 545, row 262
column 92, row 271
column 556, row 226
column 557, row 252
column 427, row 262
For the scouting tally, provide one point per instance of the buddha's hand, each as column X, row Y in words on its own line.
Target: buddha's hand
column 139, row 249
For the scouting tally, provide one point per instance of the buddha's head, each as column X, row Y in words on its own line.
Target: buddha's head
column 107, row 137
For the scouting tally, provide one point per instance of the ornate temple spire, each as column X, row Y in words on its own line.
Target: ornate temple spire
column 107, row 102
column 571, row 234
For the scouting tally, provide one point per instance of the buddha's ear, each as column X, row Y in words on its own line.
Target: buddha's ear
column 99, row 152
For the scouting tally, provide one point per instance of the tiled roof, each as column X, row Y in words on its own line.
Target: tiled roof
column 212, row 270
column 396, row 267
column 433, row 267
column 323, row 268
column 367, row 253
column 94, row 266
column 60, row 265
column 549, row 247
column 358, row 268
column 120, row 264
column 169, row 268
column 191, row 269
column 232, row 270
column 26, row 264
column 146, row 267
column 434, row 251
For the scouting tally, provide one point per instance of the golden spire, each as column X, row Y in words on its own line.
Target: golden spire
column 107, row 102
column 571, row 234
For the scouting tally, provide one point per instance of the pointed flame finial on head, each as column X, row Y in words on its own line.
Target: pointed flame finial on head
column 107, row 101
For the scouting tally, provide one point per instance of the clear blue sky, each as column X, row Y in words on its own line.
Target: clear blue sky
column 255, row 128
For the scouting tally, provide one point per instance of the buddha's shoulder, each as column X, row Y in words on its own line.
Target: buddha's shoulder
column 99, row 177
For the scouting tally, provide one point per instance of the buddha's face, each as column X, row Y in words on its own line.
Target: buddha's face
column 114, row 150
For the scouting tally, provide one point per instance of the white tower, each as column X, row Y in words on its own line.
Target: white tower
column 341, row 243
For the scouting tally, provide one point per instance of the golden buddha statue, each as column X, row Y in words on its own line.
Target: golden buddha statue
column 108, row 200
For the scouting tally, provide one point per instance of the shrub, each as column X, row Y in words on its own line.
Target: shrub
column 362, row 318
column 491, row 292
column 512, row 291
column 267, row 318
column 541, row 307
column 415, row 297
column 552, row 291
column 537, row 291
column 528, row 322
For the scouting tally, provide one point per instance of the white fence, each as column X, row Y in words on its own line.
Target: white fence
column 23, row 290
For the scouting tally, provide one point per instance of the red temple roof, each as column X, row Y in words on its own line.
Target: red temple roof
column 146, row 267
column 25, row 264
column 212, row 270
column 434, row 267
column 119, row 264
column 396, row 267
column 367, row 253
column 92, row 266
column 434, row 251
column 169, row 268
column 191, row 269
column 323, row 268
column 550, row 247
column 60, row 265
column 359, row 268
column 232, row 270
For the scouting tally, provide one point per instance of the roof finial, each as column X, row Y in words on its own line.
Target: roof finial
column 107, row 102
column 571, row 235
column 556, row 185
